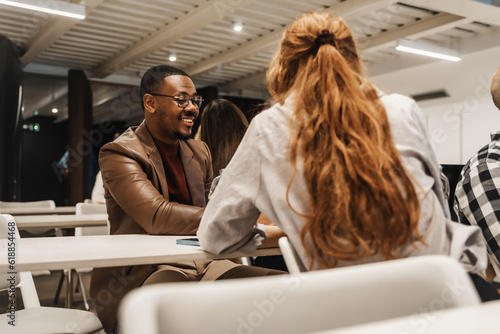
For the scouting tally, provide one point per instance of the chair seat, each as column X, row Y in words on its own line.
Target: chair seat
column 48, row 320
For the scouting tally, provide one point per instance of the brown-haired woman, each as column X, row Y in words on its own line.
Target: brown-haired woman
column 345, row 170
column 223, row 125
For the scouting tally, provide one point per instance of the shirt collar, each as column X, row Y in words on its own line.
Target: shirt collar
column 495, row 135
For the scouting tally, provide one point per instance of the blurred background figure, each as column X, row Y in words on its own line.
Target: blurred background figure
column 97, row 195
column 223, row 125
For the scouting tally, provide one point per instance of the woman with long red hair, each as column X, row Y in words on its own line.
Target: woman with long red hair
column 346, row 171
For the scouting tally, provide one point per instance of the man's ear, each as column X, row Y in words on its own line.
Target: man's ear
column 149, row 103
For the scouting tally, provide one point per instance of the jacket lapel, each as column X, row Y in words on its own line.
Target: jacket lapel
column 154, row 157
column 194, row 175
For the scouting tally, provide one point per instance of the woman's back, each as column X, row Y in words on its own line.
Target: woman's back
column 267, row 146
column 346, row 172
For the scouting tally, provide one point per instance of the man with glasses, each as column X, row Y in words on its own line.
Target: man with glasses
column 156, row 181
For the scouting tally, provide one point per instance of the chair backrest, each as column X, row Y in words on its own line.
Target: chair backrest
column 311, row 301
column 34, row 318
column 292, row 259
column 8, row 230
column 35, row 231
column 34, row 204
column 22, row 280
column 87, row 209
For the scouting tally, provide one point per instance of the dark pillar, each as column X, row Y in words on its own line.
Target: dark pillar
column 79, row 145
column 11, row 71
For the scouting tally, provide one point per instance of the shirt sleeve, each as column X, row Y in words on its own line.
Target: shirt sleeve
column 412, row 141
column 97, row 195
column 209, row 177
column 229, row 222
column 477, row 202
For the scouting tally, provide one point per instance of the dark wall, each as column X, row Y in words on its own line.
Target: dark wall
column 250, row 107
column 40, row 179
column 452, row 172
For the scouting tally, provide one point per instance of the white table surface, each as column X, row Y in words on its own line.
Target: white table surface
column 61, row 221
column 58, row 253
column 39, row 211
column 476, row 319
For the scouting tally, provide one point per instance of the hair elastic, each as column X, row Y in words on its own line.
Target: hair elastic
column 325, row 37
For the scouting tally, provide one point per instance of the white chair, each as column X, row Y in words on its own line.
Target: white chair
column 33, row 204
column 89, row 209
column 35, row 232
column 292, row 260
column 305, row 303
column 84, row 209
column 35, row 318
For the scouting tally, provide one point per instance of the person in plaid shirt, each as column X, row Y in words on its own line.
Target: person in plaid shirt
column 477, row 196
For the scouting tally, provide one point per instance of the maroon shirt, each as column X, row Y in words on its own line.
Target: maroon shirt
column 177, row 187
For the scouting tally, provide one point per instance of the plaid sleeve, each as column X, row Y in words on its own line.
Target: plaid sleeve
column 478, row 201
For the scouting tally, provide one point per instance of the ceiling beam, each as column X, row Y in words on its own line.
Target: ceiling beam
column 476, row 43
column 474, row 10
column 427, row 26
column 351, row 9
column 49, row 100
column 236, row 54
column 205, row 14
column 347, row 9
column 60, row 93
column 51, row 32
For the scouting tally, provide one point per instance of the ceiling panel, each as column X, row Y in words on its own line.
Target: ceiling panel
column 120, row 39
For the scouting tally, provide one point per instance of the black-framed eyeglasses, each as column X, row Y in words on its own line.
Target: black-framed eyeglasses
column 183, row 100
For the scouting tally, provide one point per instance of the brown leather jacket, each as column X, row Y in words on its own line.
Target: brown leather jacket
column 137, row 203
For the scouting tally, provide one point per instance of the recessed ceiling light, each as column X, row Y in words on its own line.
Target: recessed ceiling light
column 238, row 27
column 55, row 110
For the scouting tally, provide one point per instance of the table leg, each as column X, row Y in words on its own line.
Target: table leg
column 59, row 287
column 69, row 288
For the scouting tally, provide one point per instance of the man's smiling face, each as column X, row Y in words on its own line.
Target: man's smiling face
column 168, row 122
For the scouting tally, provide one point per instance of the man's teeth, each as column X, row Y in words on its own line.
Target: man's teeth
column 187, row 120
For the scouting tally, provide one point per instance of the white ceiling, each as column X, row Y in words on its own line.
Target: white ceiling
column 120, row 39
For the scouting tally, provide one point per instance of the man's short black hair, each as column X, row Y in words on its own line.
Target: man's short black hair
column 154, row 77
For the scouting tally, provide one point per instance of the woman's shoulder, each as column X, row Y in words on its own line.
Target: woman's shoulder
column 277, row 115
column 398, row 101
column 402, row 109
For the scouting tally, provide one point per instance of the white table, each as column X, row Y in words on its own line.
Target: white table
column 106, row 251
column 482, row 318
column 61, row 221
column 39, row 211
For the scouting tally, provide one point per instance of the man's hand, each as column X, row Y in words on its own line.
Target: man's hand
column 264, row 220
